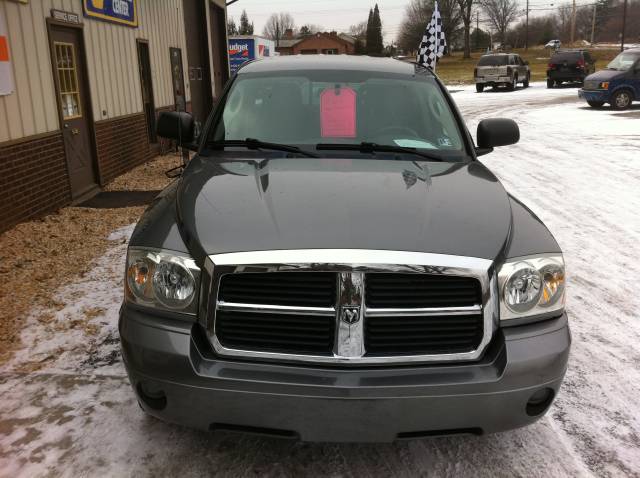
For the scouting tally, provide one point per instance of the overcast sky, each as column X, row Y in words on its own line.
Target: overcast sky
column 340, row 14
column 330, row 14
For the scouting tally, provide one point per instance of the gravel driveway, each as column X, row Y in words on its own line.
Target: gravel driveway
column 577, row 168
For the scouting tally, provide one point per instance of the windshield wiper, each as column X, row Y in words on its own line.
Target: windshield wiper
column 256, row 144
column 365, row 147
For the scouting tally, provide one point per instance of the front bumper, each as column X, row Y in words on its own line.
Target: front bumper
column 594, row 95
column 379, row 404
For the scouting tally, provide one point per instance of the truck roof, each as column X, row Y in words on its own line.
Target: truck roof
column 330, row 62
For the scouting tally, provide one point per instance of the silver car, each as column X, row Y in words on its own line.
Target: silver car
column 501, row 69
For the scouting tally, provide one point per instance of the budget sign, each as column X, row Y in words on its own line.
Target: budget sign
column 241, row 50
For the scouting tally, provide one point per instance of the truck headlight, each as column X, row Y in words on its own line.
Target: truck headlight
column 531, row 286
column 604, row 85
column 162, row 279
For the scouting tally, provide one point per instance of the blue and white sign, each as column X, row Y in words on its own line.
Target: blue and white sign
column 124, row 12
column 241, row 50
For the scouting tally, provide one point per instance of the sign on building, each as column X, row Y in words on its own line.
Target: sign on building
column 246, row 48
column 124, row 12
column 6, row 77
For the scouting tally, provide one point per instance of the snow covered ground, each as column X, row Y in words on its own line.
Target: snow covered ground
column 67, row 408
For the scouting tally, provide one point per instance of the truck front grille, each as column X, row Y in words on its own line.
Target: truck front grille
column 352, row 314
column 416, row 335
column 311, row 289
column 421, row 290
column 301, row 334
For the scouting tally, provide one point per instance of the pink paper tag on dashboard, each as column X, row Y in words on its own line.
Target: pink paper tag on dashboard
column 338, row 113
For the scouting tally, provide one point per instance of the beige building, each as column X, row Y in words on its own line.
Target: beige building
column 86, row 81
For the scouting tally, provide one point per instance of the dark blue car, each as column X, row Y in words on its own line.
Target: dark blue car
column 618, row 84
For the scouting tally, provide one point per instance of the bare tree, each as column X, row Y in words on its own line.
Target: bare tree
column 501, row 13
column 465, row 15
column 276, row 26
column 417, row 16
column 310, row 29
column 359, row 30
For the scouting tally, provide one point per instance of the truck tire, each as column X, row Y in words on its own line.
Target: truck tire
column 514, row 82
column 621, row 100
column 595, row 104
column 479, row 87
column 549, row 83
column 525, row 83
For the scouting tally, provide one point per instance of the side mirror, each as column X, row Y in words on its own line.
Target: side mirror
column 496, row 132
column 178, row 126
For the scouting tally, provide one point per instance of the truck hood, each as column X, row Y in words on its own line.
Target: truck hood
column 604, row 75
column 249, row 205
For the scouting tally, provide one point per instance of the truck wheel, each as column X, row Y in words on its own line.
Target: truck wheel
column 525, row 83
column 479, row 87
column 595, row 104
column 512, row 86
column 549, row 83
column 621, row 100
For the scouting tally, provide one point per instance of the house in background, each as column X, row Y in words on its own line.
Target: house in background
column 85, row 81
column 317, row 43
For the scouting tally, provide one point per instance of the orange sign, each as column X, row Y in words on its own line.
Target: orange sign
column 6, row 77
column 4, row 49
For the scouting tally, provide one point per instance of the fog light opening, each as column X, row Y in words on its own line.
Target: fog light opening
column 151, row 396
column 540, row 401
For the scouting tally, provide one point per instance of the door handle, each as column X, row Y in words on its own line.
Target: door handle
column 75, row 131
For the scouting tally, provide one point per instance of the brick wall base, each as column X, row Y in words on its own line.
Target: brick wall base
column 33, row 178
column 122, row 144
column 33, row 171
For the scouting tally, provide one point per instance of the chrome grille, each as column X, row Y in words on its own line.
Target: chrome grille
column 349, row 306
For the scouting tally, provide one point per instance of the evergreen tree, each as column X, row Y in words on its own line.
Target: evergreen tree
column 369, row 39
column 375, row 45
column 245, row 28
column 231, row 27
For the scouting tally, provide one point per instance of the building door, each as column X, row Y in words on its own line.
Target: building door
column 67, row 56
column 177, row 74
column 197, row 51
column 144, row 66
column 219, row 48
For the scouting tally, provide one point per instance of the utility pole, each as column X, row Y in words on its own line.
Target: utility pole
column 624, row 25
column 573, row 22
column 593, row 24
column 477, row 29
column 526, row 30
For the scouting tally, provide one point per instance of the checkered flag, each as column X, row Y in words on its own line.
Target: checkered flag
column 433, row 42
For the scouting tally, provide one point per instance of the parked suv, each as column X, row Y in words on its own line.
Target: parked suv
column 335, row 264
column 569, row 66
column 501, row 69
column 618, row 84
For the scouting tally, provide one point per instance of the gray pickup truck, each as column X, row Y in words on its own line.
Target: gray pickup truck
column 501, row 69
column 335, row 264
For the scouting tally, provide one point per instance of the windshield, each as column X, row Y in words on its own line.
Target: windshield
column 624, row 61
column 307, row 108
column 493, row 60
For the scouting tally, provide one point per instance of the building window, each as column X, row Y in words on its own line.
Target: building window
column 66, row 68
column 330, row 51
column 309, row 52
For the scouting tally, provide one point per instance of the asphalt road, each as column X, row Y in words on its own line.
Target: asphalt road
column 577, row 168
